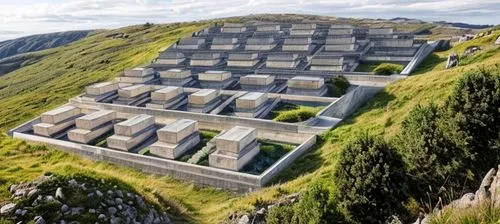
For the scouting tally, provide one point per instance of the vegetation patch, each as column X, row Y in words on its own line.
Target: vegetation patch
column 291, row 113
column 388, row 69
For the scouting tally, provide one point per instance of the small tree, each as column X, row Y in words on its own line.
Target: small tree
column 338, row 86
column 434, row 152
column 370, row 179
column 475, row 104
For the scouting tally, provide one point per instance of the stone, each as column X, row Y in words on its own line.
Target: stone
column 13, row 188
column 60, row 114
column 92, row 211
column 118, row 201
column 102, row 88
column 498, row 41
column 452, row 61
column 215, row 76
column 39, row 220
column 101, row 217
column 8, row 208
column 466, row 201
column 95, row 119
column 112, row 210
column 177, row 131
column 134, row 125
column 20, row 193
column 77, row 211
column 203, row 96
column 119, row 193
column 59, row 194
column 244, row 220
column 133, row 91
column 99, row 193
column 64, row 208
column 235, row 139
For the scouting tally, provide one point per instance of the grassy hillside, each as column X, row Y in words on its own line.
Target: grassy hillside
column 63, row 74
column 65, row 71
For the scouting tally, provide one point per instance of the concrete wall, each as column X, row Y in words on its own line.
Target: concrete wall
column 424, row 51
column 349, row 102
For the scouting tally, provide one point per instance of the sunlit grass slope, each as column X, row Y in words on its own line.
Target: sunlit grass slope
column 39, row 87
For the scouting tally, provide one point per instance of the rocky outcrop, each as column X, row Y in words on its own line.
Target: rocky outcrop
column 488, row 193
column 452, row 61
column 258, row 215
column 56, row 199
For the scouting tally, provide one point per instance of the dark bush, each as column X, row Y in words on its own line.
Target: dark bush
column 338, row 86
column 388, row 69
column 280, row 215
column 434, row 153
column 475, row 105
column 296, row 115
column 371, row 181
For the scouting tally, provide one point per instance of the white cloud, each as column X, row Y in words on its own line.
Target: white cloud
column 58, row 15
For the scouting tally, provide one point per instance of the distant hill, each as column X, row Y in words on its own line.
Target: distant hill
column 17, row 53
column 39, row 42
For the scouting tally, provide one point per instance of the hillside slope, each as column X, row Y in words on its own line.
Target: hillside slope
column 63, row 72
column 46, row 84
column 39, row 42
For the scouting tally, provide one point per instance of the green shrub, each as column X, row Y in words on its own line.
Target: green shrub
column 388, row 69
column 475, row 105
column 434, row 153
column 299, row 115
column 280, row 215
column 338, row 86
column 371, row 181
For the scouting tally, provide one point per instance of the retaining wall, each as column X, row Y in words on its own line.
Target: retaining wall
column 349, row 102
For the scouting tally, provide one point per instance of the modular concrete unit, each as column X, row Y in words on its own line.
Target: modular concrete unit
column 132, row 132
column 203, row 101
column 175, row 139
column 55, row 121
column 215, row 79
column 133, row 95
column 235, row 148
column 176, row 77
column 171, row 97
column 92, row 126
column 304, row 85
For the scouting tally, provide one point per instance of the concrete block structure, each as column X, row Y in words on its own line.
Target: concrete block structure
column 235, row 148
column 257, row 83
column 234, row 28
column 327, row 63
column 336, row 43
column 170, row 58
column 203, row 101
column 205, row 59
column 102, row 92
column 260, row 44
column 225, row 43
column 215, row 79
column 176, row 77
column 171, row 97
column 175, row 139
column 138, row 76
column 268, row 28
column 283, row 60
column 251, row 104
column 191, row 43
column 300, row 29
column 132, row 132
column 297, row 44
column 92, row 126
column 242, row 59
column 305, row 85
column 56, row 121
column 133, row 95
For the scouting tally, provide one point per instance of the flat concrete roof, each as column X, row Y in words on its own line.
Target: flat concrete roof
column 237, row 133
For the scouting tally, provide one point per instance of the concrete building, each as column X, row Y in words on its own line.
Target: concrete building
column 132, row 132
column 225, row 43
column 260, row 44
column 235, row 148
column 242, row 59
column 234, row 28
column 56, row 121
column 297, row 44
column 170, row 98
column 175, row 139
column 92, row 126
column 138, row 76
column 191, row 43
column 135, row 95
column 327, row 63
column 257, row 83
column 284, row 60
column 203, row 101
column 215, row 79
column 205, row 59
column 251, row 104
column 176, row 77
column 305, row 85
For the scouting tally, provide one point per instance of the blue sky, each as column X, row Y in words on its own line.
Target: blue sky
column 25, row 17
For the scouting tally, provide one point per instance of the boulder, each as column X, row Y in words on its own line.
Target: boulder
column 8, row 208
column 452, row 61
column 59, row 194
column 244, row 220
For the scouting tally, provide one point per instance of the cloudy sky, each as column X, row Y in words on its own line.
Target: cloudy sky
column 25, row 17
